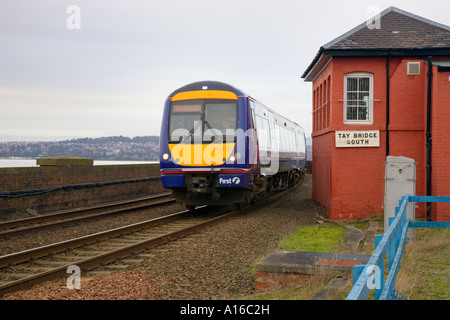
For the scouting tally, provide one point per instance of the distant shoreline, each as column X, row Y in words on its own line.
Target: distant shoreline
column 30, row 162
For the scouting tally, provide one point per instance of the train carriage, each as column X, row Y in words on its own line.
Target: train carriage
column 219, row 146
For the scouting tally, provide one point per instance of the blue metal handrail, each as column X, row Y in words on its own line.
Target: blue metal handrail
column 371, row 275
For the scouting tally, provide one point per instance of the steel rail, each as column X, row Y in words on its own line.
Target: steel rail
column 113, row 255
column 91, row 262
column 36, row 253
column 14, row 226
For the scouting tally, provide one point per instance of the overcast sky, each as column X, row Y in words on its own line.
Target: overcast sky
column 112, row 75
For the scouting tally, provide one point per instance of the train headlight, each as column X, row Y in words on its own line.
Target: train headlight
column 235, row 157
column 165, row 156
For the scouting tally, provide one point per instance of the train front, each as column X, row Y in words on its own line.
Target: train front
column 203, row 145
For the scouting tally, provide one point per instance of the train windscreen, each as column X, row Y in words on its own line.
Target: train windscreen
column 200, row 119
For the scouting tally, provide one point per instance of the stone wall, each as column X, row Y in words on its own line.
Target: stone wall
column 49, row 188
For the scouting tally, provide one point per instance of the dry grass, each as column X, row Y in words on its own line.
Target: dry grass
column 425, row 267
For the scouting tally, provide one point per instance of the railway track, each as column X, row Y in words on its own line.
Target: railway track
column 22, row 269
column 69, row 216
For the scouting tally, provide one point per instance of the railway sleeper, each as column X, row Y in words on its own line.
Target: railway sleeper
column 50, row 263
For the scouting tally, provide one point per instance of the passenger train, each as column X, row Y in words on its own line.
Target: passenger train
column 220, row 146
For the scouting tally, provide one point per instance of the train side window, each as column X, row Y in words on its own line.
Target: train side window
column 302, row 145
column 291, row 141
column 278, row 137
column 288, row 140
column 294, row 148
column 253, row 118
column 282, row 139
column 296, row 143
column 288, row 143
column 286, row 134
column 263, row 132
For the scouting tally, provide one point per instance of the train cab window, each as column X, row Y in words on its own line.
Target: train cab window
column 190, row 119
column 221, row 116
column 185, row 117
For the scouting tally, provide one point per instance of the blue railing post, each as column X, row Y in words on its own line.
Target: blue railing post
column 378, row 238
column 391, row 244
column 389, row 285
column 379, row 285
column 391, row 250
column 357, row 270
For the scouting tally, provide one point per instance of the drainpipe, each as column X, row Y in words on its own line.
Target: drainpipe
column 428, row 135
column 387, row 103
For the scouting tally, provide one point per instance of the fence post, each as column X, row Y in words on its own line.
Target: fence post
column 357, row 269
column 378, row 291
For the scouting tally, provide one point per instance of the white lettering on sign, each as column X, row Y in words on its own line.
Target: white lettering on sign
column 234, row 180
column 357, row 138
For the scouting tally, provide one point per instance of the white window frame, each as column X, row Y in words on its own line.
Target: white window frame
column 370, row 106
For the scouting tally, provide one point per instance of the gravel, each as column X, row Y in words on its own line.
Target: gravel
column 215, row 263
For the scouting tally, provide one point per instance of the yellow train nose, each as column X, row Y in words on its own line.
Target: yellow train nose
column 201, row 155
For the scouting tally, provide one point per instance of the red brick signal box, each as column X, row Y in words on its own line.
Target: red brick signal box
column 381, row 89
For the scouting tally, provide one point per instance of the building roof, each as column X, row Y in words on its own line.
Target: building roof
column 396, row 32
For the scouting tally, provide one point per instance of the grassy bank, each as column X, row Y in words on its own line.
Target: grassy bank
column 425, row 267
column 424, row 275
column 326, row 237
